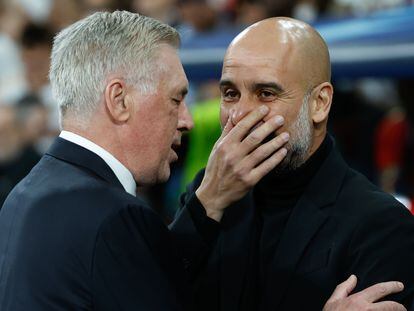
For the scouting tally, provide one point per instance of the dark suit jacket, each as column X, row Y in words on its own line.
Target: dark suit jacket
column 71, row 238
column 341, row 225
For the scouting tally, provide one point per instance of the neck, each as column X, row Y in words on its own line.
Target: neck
column 318, row 139
column 99, row 134
column 294, row 181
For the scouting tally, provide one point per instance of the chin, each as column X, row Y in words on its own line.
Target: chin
column 164, row 175
column 163, row 179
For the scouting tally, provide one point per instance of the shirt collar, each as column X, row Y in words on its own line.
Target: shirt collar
column 122, row 173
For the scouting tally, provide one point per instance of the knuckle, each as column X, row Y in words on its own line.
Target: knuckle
column 253, row 138
column 243, row 176
column 280, row 156
column 280, row 140
column 274, row 144
column 258, row 155
column 245, row 179
column 382, row 289
column 355, row 300
column 242, row 126
column 220, row 147
column 239, row 174
column 229, row 160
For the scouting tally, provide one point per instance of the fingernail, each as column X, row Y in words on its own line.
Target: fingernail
column 279, row 120
column 283, row 151
column 400, row 285
column 285, row 136
column 264, row 109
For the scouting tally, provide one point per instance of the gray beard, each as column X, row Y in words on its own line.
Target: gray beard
column 300, row 140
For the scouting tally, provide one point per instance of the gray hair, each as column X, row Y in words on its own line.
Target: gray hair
column 86, row 52
column 300, row 140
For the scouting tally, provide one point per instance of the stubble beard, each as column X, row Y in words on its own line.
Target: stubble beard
column 300, row 141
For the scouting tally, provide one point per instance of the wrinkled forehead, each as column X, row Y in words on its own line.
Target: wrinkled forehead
column 261, row 62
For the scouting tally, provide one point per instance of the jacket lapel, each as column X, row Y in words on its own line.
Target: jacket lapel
column 74, row 154
column 234, row 246
column 307, row 217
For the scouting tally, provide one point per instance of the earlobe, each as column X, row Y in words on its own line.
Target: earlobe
column 116, row 101
column 321, row 103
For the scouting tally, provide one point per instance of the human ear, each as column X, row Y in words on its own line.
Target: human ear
column 115, row 100
column 321, row 102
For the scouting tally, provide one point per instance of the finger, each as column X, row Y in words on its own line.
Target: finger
column 257, row 135
column 380, row 290
column 266, row 150
column 227, row 128
column 242, row 128
column 387, row 306
column 266, row 166
column 344, row 289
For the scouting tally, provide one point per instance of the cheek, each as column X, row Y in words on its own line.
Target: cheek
column 285, row 113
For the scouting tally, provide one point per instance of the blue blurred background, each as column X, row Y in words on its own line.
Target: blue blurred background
column 371, row 43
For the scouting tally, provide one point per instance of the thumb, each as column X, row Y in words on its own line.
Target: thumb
column 344, row 289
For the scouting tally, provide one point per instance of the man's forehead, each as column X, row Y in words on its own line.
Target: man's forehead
column 179, row 86
column 248, row 61
column 265, row 54
column 261, row 75
column 253, row 68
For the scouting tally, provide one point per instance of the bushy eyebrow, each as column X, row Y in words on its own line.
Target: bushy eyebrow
column 256, row 86
column 184, row 91
column 226, row 83
column 268, row 85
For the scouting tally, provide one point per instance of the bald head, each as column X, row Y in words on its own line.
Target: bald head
column 284, row 64
column 298, row 45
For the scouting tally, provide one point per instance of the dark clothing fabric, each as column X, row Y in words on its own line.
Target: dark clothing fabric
column 341, row 225
column 15, row 170
column 71, row 238
column 275, row 196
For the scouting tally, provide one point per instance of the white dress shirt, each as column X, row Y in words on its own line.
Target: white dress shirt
column 120, row 171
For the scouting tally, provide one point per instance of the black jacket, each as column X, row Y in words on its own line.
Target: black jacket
column 71, row 238
column 341, row 225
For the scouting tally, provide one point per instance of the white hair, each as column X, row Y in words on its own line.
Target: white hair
column 88, row 51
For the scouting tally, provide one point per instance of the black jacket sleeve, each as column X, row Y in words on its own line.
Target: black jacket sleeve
column 135, row 264
column 194, row 232
column 384, row 242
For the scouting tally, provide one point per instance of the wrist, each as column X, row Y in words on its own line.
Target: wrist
column 210, row 205
column 214, row 214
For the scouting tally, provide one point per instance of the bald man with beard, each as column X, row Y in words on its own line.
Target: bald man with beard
column 313, row 221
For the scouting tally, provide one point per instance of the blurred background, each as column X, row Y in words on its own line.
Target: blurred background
column 372, row 50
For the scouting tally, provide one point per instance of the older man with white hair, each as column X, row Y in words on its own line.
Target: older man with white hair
column 73, row 233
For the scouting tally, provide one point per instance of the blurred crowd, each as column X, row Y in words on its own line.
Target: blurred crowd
column 372, row 118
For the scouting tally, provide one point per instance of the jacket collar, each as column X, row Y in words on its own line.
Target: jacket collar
column 307, row 217
column 74, row 154
column 309, row 214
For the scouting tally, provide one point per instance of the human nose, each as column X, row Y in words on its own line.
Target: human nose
column 240, row 110
column 185, row 121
